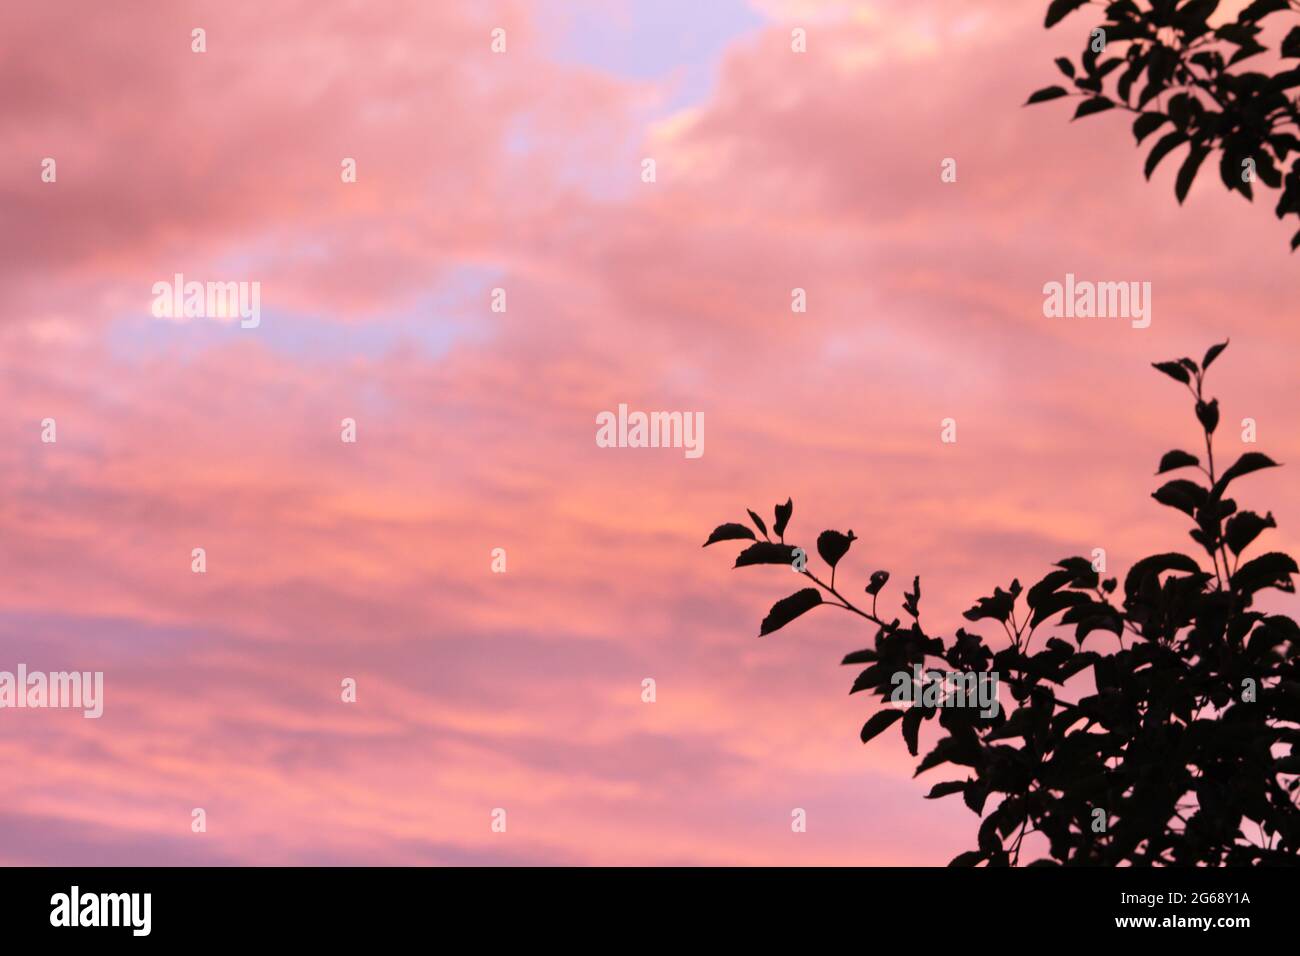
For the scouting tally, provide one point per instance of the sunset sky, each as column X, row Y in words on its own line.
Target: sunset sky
column 475, row 429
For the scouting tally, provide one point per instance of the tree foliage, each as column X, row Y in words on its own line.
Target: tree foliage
column 1171, row 704
column 1176, row 65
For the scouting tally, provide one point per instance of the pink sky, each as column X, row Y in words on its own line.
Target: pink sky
column 476, row 429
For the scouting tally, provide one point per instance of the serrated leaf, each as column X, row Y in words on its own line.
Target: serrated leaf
column 765, row 552
column 1272, row 570
column 1182, row 494
column 1157, row 564
column 1244, row 527
column 787, row 609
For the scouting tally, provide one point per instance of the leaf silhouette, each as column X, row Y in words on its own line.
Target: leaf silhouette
column 1045, row 94
column 878, row 580
column 912, row 604
column 1182, row 494
column 1215, row 350
column 787, row 609
column 944, row 789
column 1187, row 172
column 1161, row 149
column 758, row 522
column 1174, row 370
column 1250, row 461
column 832, row 546
column 1244, row 527
column 1272, row 570
column 1148, row 123
column 1097, row 104
column 728, row 532
column 1058, row 10
column 783, row 513
column 1155, row 565
column 1207, row 413
column 880, row 721
column 1176, row 459
column 998, row 607
column 765, row 552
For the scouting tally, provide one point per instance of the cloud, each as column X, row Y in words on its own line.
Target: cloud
column 476, row 429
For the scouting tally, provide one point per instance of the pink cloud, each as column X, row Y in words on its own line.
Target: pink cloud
column 372, row 560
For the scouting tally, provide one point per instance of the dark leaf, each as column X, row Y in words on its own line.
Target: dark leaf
column 1214, row 350
column 758, row 522
column 1259, row 9
column 729, row 532
column 1148, row 123
column 1174, row 370
column 1182, row 494
column 864, row 656
column 1251, row 461
column 1244, row 527
column 1045, row 94
column 912, row 728
column 787, row 609
column 1207, row 413
column 976, row 793
column 1157, row 564
column 1058, row 10
column 998, row 607
column 1176, row 459
column 1095, row 104
column 878, row 581
column 832, row 546
column 1048, row 586
column 1272, row 570
column 1291, row 43
column 912, row 603
column 1056, row 603
column 944, row 789
column 1187, row 172
column 879, row 722
column 765, row 552
column 1160, row 150
column 783, row 513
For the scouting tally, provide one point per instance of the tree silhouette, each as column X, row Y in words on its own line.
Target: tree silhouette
column 1168, row 47
column 1187, row 750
